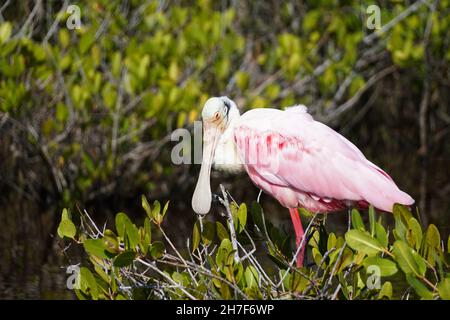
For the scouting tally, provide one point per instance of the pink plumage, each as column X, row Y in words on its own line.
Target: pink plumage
column 302, row 162
column 297, row 160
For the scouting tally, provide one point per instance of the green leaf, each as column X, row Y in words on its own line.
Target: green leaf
column 421, row 262
column 222, row 232
column 331, row 242
column 314, row 239
column 110, row 241
column 156, row 212
column 209, row 232
column 148, row 230
column 120, row 297
column 298, row 282
column 179, row 278
column 242, row 80
column 400, row 227
column 173, row 71
column 372, row 220
column 132, row 234
column 257, row 215
column 86, row 41
column 356, row 84
column 166, row 206
column 5, row 32
column 414, row 233
column 64, row 38
column 432, row 237
column 439, row 258
column 234, row 213
column 344, row 285
column 432, row 245
column 196, row 236
column 88, row 285
column 120, row 224
column 387, row 267
column 144, row 242
column 305, row 213
column 362, row 241
column 285, row 275
column 156, row 208
column 127, row 230
column 66, row 227
column 97, row 248
column 419, row 287
column 242, row 216
column 317, row 256
column 448, row 244
column 62, row 112
column 157, row 250
column 357, row 222
column 146, row 206
column 89, row 164
column 223, row 253
column 63, row 64
column 385, row 291
column 251, row 276
column 381, row 234
column 444, row 289
column 408, row 260
column 116, row 63
column 143, row 66
column 99, row 270
column 65, row 214
column 402, row 211
column 124, row 259
column 226, row 245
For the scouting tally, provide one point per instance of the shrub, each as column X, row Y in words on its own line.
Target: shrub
column 367, row 262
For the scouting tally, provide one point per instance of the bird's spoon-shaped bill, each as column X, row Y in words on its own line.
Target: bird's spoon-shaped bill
column 201, row 200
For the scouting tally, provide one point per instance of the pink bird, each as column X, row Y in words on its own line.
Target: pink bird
column 295, row 159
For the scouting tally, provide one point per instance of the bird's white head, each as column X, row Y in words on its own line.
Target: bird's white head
column 216, row 115
column 219, row 110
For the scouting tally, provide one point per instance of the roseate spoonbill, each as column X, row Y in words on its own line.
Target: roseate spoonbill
column 297, row 160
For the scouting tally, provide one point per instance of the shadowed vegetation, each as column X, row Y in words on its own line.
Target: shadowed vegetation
column 367, row 262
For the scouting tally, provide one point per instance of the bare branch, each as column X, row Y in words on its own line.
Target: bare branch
column 230, row 223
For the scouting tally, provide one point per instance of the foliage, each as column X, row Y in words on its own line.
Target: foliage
column 367, row 262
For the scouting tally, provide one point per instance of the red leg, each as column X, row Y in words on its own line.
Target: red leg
column 298, row 234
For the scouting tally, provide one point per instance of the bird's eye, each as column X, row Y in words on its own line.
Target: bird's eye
column 227, row 107
column 216, row 116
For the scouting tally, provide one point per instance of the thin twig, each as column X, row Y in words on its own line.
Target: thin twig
column 177, row 253
column 145, row 263
column 230, row 223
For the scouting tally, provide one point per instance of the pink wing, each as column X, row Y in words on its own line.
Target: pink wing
column 303, row 162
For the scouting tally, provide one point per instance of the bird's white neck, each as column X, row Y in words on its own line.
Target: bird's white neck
column 226, row 157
